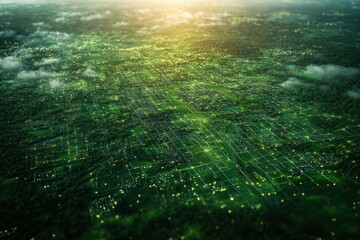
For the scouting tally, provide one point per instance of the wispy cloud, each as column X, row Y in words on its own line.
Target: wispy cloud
column 89, row 72
column 355, row 94
column 95, row 16
column 7, row 33
column 199, row 19
column 38, row 24
column 65, row 16
column 142, row 31
column 121, row 24
column 55, row 83
column 48, row 61
column 287, row 16
column 143, row 11
column 10, row 63
column 323, row 77
column 294, row 83
column 211, row 24
column 331, row 72
column 39, row 74
column 50, row 35
column 5, row 13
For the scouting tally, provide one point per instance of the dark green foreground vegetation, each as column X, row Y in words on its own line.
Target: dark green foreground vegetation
column 126, row 121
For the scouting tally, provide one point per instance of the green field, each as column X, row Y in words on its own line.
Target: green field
column 179, row 120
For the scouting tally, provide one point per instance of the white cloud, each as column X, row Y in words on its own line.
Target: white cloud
column 47, row 61
column 38, row 24
column 66, row 16
column 199, row 14
column 142, row 31
column 355, row 94
column 32, row 75
column 121, row 24
column 51, row 36
column 175, row 19
column 42, row 37
column 294, row 82
column 10, row 63
column 186, row 15
column 70, row 14
column 211, row 24
column 7, row 33
column 211, row 20
column 95, row 16
column 288, row 16
column 142, row 11
column 55, row 83
column 5, row 13
column 156, row 27
column 331, row 72
column 60, row 19
column 89, row 72
column 199, row 19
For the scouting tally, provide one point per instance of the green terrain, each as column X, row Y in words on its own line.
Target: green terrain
column 180, row 120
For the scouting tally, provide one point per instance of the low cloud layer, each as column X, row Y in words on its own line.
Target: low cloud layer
column 294, row 82
column 65, row 16
column 40, row 74
column 10, row 63
column 95, row 16
column 178, row 17
column 89, row 72
column 7, row 34
column 121, row 24
column 331, row 72
column 50, row 35
column 328, row 75
column 55, row 83
column 355, row 94
column 48, row 61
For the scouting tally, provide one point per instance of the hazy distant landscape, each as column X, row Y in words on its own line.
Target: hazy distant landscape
column 179, row 119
